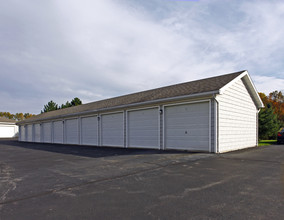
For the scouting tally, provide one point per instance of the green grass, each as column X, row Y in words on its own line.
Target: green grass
column 266, row 142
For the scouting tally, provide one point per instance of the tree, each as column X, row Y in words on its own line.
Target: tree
column 16, row 116
column 50, row 106
column 66, row 105
column 19, row 116
column 76, row 101
column 268, row 123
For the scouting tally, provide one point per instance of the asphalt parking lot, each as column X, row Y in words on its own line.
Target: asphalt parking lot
column 46, row 181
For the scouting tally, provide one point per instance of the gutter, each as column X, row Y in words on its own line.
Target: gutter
column 123, row 106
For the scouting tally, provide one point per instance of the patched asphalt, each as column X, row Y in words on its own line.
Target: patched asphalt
column 48, row 181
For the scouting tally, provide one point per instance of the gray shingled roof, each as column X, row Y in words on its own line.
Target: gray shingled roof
column 189, row 88
column 3, row 119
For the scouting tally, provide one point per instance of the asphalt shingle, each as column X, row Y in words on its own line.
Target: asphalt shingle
column 182, row 89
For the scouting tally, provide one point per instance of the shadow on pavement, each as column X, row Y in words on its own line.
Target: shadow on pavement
column 87, row 151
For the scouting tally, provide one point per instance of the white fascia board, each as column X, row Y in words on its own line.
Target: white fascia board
column 7, row 123
column 250, row 85
column 225, row 87
column 254, row 92
column 96, row 111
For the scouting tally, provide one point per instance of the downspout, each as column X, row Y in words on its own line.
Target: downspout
column 257, row 125
column 217, row 124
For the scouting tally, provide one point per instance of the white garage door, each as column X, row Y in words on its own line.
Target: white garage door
column 7, row 131
column 58, row 132
column 187, row 126
column 72, row 132
column 22, row 133
column 112, row 130
column 46, row 132
column 29, row 133
column 89, row 130
column 37, row 132
column 143, row 128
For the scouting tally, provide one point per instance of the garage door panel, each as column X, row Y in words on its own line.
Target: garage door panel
column 37, row 132
column 72, row 131
column 47, row 132
column 143, row 128
column 187, row 126
column 112, row 130
column 29, row 133
column 58, row 132
column 23, row 133
column 89, row 130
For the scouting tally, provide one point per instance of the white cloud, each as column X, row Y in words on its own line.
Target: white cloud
column 267, row 84
column 98, row 49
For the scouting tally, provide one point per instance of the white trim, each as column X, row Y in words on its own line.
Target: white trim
column 216, row 123
column 126, row 130
column 261, row 105
column 8, row 123
column 159, row 130
column 79, row 130
column 33, row 132
column 210, row 150
column 185, row 103
column 99, row 131
column 109, row 113
column 163, row 134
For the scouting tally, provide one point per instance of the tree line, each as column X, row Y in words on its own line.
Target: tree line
column 16, row 116
column 271, row 117
column 52, row 106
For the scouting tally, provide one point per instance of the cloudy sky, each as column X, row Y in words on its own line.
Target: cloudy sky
column 61, row 49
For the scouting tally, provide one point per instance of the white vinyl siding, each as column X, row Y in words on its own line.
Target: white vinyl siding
column 112, row 130
column 237, row 118
column 37, row 133
column 72, row 131
column 46, row 132
column 58, row 132
column 89, row 130
column 29, row 133
column 186, row 126
column 143, row 128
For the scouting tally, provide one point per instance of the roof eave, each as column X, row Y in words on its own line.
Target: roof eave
column 157, row 101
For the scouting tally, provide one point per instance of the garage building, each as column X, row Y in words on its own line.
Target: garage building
column 8, row 128
column 216, row 114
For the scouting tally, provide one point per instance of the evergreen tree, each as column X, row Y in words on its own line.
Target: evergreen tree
column 268, row 123
column 50, row 106
column 66, row 105
column 76, row 101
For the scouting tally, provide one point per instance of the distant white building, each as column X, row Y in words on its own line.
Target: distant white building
column 8, row 128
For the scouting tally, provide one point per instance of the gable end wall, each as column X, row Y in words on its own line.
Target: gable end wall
column 237, row 119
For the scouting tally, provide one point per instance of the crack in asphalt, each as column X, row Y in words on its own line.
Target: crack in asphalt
column 95, row 181
column 253, row 160
column 158, row 166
